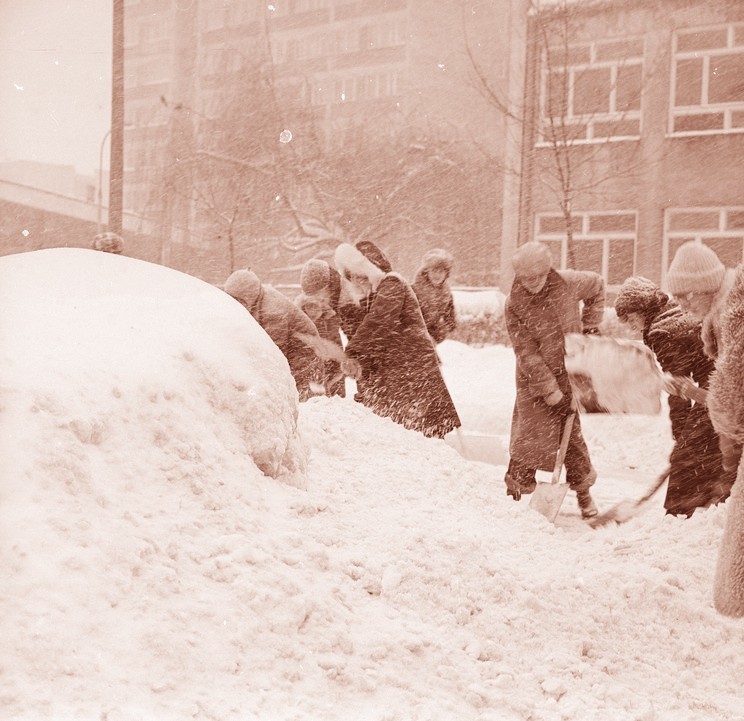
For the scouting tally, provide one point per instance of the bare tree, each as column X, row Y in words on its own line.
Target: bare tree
column 573, row 111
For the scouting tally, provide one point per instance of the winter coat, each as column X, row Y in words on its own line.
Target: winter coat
column 436, row 302
column 697, row 477
column 401, row 377
column 711, row 331
column 537, row 325
column 282, row 319
column 329, row 328
column 726, row 407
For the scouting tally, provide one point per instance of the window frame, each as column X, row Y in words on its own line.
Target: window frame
column 699, row 235
column 615, row 65
column 586, row 234
column 704, row 107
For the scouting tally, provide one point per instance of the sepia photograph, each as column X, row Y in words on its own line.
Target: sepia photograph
column 371, row 360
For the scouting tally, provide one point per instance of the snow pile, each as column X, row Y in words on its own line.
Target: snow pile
column 151, row 572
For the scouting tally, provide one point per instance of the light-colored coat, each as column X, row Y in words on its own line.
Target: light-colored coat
column 726, row 408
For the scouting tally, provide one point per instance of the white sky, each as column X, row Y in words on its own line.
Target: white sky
column 55, row 80
column 150, row 571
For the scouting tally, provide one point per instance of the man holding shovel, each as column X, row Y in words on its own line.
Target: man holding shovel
column 543, row 306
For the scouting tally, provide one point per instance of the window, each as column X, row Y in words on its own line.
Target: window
column 722, row 229
column 707, row 87
column 604, row 242
column 594, row 89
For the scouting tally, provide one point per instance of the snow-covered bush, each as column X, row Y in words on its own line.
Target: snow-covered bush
column 480, row 317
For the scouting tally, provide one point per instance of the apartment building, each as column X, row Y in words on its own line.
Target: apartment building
column 382, row 61
column 635, row 125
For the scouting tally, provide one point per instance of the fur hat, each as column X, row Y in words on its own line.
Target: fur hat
column 375, row 255
column 243, row 285
column 108, row 242
column 532, row 259
column 315, row 275
column 350, row 259
column 695, row 269
column 639, row 295
column 437, row 258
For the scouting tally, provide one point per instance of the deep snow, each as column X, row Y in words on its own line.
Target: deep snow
column 151, row 571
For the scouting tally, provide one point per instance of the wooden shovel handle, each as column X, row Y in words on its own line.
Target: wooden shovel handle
column 561, row 453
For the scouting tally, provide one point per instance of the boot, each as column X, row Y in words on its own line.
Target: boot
column 587, row 506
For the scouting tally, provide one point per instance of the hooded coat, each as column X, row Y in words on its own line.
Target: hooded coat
column 726, row 407
column 697, row 477
column 436, row 302
column 537, row 325
column 401, row 375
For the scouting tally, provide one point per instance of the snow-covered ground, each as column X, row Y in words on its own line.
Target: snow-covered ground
column 151, row 571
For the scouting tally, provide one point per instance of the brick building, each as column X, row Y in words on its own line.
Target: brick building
column 643, row 105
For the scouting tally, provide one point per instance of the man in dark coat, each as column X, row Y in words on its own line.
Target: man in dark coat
column 434, row 295
column 542, row 307
column 397, row 359
column 697, row 478
column 282, row 320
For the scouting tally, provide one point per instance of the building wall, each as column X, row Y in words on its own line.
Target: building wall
column 658, row 174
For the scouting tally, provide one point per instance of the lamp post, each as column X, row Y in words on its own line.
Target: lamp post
column 100, row 180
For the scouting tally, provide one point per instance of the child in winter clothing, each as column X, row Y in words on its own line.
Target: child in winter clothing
column 542, row 307
column 434, row 295
column 396, row 356
column 697, row 478
column 282, row 320
column 726, row 404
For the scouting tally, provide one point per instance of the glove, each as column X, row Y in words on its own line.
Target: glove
column 591, row 331
column 563, row 406
column 352, row 368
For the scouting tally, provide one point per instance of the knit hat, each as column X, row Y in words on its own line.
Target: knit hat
column 639, row 295
column 108, row 242
column 315, row 275
column 374, row 254
column 695, row 269
column 350, row 260
column 532, row 259
column 243, row 285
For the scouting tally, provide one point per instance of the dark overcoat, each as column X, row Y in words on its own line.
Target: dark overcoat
column 401, row 376
column 437, row 305
column 697, row 477
column 537, row 324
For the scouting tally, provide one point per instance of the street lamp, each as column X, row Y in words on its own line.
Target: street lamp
column 100, row 180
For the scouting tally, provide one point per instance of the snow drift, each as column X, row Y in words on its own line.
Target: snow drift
column 151, row 572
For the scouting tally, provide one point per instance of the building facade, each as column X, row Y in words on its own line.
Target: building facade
column 386, row 63
column 634, row 133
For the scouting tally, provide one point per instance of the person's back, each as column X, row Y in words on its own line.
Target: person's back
column 282, row 321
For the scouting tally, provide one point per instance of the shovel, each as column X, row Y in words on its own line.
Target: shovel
column 625, row 510
column 548, row 497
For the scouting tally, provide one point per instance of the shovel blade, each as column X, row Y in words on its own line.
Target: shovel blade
column 548, row 499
